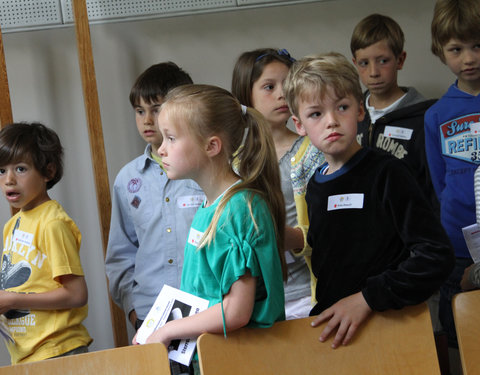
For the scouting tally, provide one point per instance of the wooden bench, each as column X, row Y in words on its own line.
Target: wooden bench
column 129, row 360
column 392, row 342
column 466, row 311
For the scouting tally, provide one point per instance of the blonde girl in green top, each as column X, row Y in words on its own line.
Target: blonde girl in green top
column 228, row 150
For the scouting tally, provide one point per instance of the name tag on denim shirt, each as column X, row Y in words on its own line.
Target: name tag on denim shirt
column 189, row 201
column 194, row 237
column 345, row 201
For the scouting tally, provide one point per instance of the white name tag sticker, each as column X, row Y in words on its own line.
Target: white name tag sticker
column 475, row 128
column 23, row 237
column 194, row 237
column 398, row 133
column 189, row 201
column 345, row 201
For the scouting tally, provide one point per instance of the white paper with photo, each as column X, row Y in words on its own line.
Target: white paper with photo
column 472, row 238
column 171, row 304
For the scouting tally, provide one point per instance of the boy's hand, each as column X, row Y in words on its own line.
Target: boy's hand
column 347, row 314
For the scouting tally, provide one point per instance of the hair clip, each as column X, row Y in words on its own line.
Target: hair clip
column 280, row 52
column 284, row 52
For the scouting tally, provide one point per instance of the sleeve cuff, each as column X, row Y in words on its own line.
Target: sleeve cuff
column 307, row 250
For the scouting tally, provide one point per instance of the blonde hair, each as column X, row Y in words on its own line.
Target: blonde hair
column 312, row 75
column 247, row 148
column 459, row 19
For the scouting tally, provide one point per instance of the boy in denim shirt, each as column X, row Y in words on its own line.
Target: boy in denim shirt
column 151, row 214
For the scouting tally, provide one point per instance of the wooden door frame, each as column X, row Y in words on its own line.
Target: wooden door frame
column 97, row 148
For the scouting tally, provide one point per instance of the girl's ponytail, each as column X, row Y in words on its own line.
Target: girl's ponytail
column 257, row 165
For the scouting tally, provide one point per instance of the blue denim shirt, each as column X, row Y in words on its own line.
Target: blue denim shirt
column 151, row 217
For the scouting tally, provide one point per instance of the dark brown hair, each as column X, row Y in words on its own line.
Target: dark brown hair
column 249, row 67
column 157, row 81
column 375, row 28
column 35, row 143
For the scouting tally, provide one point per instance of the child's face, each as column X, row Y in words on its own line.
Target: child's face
column 330, row 123
column 377, row 67
column 463, row 59
column 146, row 118
column 267, row 94
column 23, row 186
column 181, row 155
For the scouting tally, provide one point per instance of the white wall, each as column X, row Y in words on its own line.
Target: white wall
column 45, row 85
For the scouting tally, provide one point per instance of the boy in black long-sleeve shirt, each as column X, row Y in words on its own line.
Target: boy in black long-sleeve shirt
column 376, row 242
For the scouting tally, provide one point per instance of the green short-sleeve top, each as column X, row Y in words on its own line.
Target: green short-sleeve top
column 239, row 245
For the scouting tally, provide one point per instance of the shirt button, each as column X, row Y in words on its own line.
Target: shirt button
column 161, row 173
column 169, row 230
column 292, row 159
column 292, row 175
column 170, row 261
column 167, row 199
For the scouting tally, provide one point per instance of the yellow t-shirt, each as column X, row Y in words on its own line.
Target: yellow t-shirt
column 40, row 245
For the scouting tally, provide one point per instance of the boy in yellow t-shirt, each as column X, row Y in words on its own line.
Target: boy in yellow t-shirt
column 43, row 293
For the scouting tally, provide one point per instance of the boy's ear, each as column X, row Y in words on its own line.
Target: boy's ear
column 51, row 170
column 213, row 146
column 361, row 112
column 401, row 60
column 298, row 126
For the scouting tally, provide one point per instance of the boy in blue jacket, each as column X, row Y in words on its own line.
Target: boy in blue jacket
column 452, row 145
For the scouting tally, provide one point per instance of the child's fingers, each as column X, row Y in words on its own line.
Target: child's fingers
column 343, row 330
column 350, row 333
column 331, row 325
column 326, row 314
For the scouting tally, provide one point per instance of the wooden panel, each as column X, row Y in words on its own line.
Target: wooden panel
column 393, row 342
column 466, row 311
column 97, row 148
column 6, row 116
column 131, row 360
column 5, row 104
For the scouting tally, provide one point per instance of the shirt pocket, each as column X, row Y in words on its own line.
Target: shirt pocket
column 141, row 205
